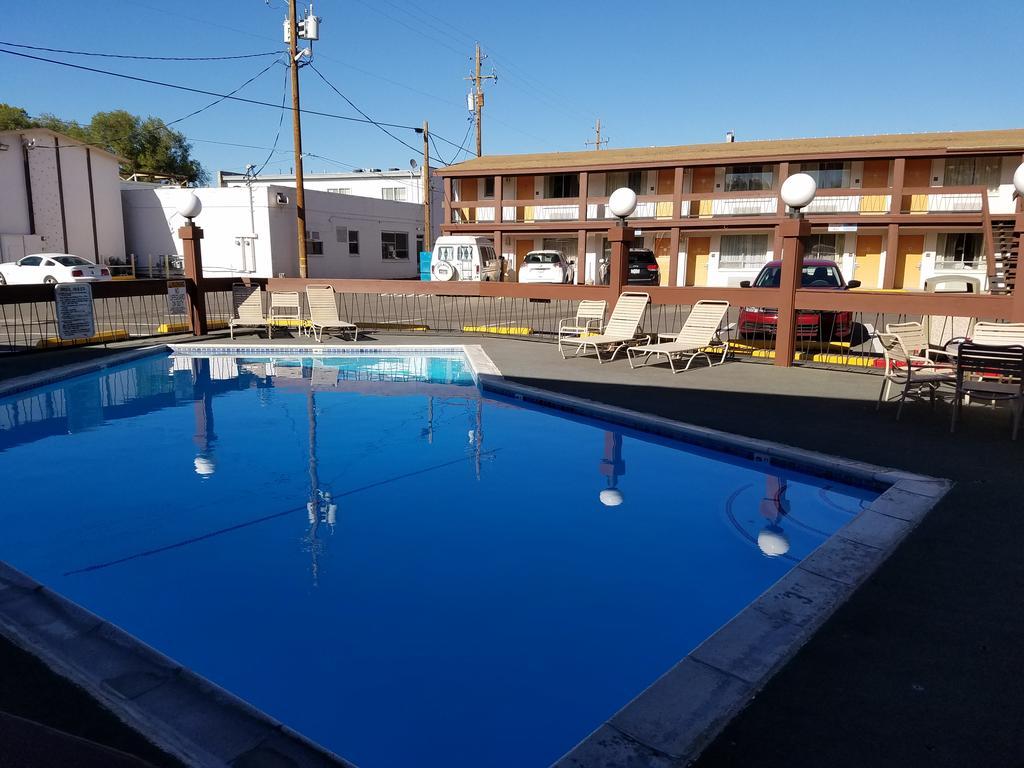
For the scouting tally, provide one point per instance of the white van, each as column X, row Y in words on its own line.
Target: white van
column 464, row 257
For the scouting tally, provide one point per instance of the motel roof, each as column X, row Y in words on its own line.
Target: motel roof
column 1009, row 140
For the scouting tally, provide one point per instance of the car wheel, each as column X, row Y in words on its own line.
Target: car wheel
column 48, row 280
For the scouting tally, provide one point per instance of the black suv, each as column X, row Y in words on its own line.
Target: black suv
column 643, row 268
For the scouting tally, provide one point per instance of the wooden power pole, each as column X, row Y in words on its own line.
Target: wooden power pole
column 478, row 98
column 426, row 187
column 598, row 141
column 300, row 197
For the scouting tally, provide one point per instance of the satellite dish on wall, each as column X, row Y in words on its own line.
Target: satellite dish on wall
column 413, row 164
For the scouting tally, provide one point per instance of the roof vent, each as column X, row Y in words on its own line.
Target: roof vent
column 394, row 169
column 375, row 170
column 357, row 170
column 730, row 137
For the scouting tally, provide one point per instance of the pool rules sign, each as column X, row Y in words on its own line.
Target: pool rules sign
column 176, row 294
column 74, row 311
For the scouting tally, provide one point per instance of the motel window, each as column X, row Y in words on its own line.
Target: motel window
column 824, row 246
column 833, row 175
column 393, row 193
column 353, row 242
column 394, row 245
column 488, row 187
column 742, row 251
column 973, row 171
column 562, row 185
column 741, row 178
column 617, row 179
column 960, row 250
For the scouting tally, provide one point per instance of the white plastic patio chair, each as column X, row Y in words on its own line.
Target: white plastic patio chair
column 286, row 306
column 247, row 308
column 323, row 313
column 698, row 334
column 622, row 330
column 589, row 319
column 911, row 373
column 998, row 334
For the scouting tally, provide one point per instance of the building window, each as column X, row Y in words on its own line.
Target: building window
column 314, row 245
column 393, row 193
column 353, row 242
column 832, row 175
column 488, row 187
column 742, row 251
column 562, row 185
column 340, row 190
column 394, row 245
column 824, row 246
column 973, row 172
column 617, row 179
column 960, row 250
column 741, row 178
column 419, row 244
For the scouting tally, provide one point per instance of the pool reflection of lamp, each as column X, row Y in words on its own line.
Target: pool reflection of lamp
column 612, row 467
column 205, row 463
column 772, row 540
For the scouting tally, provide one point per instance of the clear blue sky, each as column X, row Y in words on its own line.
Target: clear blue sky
column 661, row 73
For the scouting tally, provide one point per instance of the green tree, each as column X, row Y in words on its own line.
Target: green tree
column 146, row 145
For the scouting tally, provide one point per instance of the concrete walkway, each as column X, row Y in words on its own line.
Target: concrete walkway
column 921, row 666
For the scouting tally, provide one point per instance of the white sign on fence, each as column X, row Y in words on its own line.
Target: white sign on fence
column 74, row 310
column 176, row 297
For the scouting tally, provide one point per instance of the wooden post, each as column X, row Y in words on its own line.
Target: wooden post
column 899, row 168
column 791, row 232
column 300, row 194
column 447, row 203
column 584, row 184
column 425, row 170
column 620, row 238
column 892, row 246
column 190, row 236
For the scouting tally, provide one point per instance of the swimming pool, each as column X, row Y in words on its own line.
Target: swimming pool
column 368, row 549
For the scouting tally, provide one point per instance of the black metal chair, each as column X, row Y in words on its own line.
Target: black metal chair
column 987, row 372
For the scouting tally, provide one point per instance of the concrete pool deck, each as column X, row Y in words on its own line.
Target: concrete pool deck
column 919, row 667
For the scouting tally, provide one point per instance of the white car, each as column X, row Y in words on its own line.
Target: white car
column 50, row 268
column 545, row 267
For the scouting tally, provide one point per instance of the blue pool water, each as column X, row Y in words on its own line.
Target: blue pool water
column 370, row 551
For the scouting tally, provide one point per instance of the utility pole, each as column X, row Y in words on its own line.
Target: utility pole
column 300, row 196
column 477, row 98
column 597, row 142
column 426, row 187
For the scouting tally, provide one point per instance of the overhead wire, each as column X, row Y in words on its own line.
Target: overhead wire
column 139, row 57
column 280, row 122
column 228, row 95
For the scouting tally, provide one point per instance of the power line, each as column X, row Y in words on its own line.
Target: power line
column 204, row 92
column 280, row 121
column 140, row 58
column 228, row 95
column 368, row 118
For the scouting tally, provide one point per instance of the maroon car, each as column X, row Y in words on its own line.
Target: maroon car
column 759, row 322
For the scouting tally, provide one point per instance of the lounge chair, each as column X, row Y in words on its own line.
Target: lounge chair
column 699, row 332
column 247, row 308
column 589, row 319
column 323, row 313
column 622, row 330
column 998, row 334
column 990, row 372
column 912, row 373
column 916, row 344
column 286, row 310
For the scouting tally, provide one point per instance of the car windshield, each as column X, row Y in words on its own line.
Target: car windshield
column 541, row 258
column 819, row 276
column 72, row 261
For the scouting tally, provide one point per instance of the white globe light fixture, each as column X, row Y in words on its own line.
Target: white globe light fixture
column 1018, row 180
column 798, row 191
column 191, row 207
column 611, row 497
column 622, row 203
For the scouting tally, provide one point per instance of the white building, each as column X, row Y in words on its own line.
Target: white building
column 60, row 196
column 250, row 232
column 391, row 184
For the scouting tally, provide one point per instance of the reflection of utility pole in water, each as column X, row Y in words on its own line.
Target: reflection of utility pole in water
column 612, row 466
column 321, row 507
column 202, row 405
column 774, row 506
column 430, row 420
column 476, row 436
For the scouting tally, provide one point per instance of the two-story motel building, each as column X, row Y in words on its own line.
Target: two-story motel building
column 892, row 210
